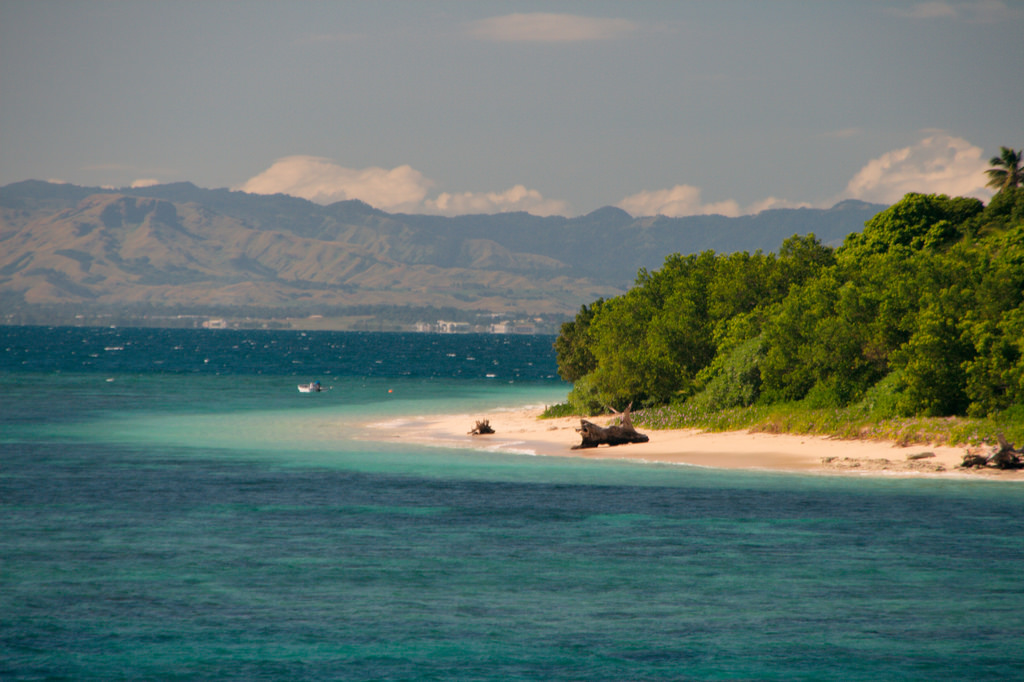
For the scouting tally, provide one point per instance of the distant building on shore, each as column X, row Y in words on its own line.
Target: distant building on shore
column 513, row 328
column 503, row 327
column 445, row 327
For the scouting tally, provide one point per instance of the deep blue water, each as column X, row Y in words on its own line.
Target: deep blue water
column 172, row 508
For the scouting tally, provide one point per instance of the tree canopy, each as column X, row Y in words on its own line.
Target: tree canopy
column 921, row 313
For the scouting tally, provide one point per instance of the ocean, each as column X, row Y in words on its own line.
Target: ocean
column 172, row 508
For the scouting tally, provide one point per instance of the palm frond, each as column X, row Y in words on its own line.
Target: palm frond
column 1006, row 172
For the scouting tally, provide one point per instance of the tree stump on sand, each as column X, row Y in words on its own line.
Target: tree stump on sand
column 972, row 461
column 622, row 433
column 481, row 428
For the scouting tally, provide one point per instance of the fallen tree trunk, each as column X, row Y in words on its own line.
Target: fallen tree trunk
column 622, row 433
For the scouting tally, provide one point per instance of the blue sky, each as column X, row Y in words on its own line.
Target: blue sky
column 677, row 108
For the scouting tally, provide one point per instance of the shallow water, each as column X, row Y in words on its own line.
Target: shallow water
column 174, row 508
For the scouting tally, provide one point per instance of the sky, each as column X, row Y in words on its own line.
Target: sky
column 555, row 108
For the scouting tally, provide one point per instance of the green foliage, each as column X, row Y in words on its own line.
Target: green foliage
column 558, row 410
column 650, row 342
column 733, row 379
column 789, row 369
column 932, row 362
column 922, row 314
column 848, row 422
column 801, row 259
column 918, row 221
column 1004, row 212
column 995, row 375
column 1006, row 172
column 995, row 326
column 881, row 401
column 572, row 347
column 587, row 398
column 650, row 345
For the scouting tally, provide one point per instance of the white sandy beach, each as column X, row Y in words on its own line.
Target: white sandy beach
column 521, row 430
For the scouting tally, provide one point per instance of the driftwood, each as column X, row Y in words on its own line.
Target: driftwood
column 972, row 460
column 482, row 427
column 1003, row 456
column 615, row 434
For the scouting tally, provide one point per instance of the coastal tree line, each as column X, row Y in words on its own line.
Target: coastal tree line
column 921, row 313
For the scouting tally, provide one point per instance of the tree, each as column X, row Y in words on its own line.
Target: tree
column 917, row 221
column 801, row 258
column 650, row 342
column 791, row 364
column 921, row 313
column 1006, row 172
column 1004, row 211
column 572, row 347
column 995, row 324
column 932, row 362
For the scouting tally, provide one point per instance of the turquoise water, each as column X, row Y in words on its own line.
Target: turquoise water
column 172, row 508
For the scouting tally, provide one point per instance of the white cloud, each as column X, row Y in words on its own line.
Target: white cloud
column 684, row 200
column 518, row 198
column 144, row 182
column 541, row 27
column 681, row 200
column 399, row 190
column 939, row 164
column 772, row 203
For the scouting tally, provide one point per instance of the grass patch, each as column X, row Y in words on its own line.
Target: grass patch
column 847, row 423
column 559, row 410
column 853, row 422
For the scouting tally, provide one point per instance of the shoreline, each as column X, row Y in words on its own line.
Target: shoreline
column 522, row 431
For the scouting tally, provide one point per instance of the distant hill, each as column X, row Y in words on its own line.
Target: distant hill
column 180, row 247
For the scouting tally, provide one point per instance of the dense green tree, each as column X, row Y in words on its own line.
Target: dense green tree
column 626, row 364
column 741, row 282
column 794, row 341
column 921, row 313
column 917, row 221
column 650, row 342
column 995, row 325
column 800, row 259
column 733, row 377
column 995, row 375
column 1006, row 172
column 572, row 347
column 932, row 361
column 1004, row 211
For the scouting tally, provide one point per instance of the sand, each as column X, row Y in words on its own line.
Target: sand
column 523, row 431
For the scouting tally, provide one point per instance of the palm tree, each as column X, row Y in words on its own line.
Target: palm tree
column 1006, row 171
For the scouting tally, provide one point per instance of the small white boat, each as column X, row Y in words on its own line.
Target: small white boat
column 314, row 387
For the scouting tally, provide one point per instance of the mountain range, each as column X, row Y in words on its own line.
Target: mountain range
column 178, row 248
